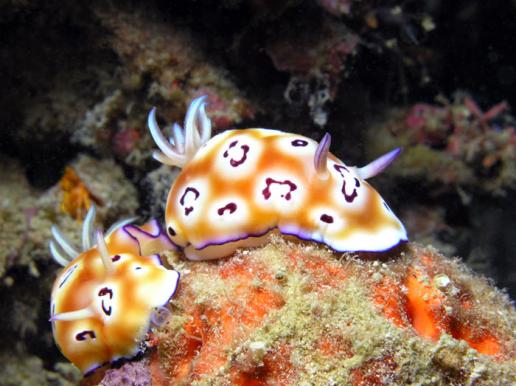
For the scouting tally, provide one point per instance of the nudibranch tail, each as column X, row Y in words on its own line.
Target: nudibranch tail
column 321, row 155
column 378, row 165
column 184, row 144
column 150, row 237
column 119, row 224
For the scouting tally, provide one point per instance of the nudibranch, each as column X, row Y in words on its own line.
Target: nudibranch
column 241, row 184
column 102, row 301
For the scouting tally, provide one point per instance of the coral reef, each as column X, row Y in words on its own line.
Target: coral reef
column 17, row 199
column 453, row 145
column 148, row 62
column 157, row 185
column 27, row 214
column 315, row 61
column 294, row 311
column 463, row 162
column 160, row 64
column 133, row 373
column 78, row 80
column 29, row 371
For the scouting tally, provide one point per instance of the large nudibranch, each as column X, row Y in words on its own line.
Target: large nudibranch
column 102, row 301
column 241, row 184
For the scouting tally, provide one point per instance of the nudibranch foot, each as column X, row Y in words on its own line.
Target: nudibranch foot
column 216, row 250
column 149, row 237
column 102, row 302
column 241, row 184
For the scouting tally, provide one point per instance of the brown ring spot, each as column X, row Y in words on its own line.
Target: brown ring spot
column 299, row 143
column 231, row 207
column 87, row 334
column 327, row 218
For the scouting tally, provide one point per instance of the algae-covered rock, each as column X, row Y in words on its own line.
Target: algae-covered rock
column 156, row 185
column 450, row 145
column 292, row 312
column 27, row 214
column 458, row 165
column 17, row 200
column 26, row 268
column 18, row 370
column 159, row 64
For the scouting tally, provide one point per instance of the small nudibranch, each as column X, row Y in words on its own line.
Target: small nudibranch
column 102, row 301
column 239, row 185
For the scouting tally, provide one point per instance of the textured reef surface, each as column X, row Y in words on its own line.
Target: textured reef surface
column 437, row 78
column 293, row 312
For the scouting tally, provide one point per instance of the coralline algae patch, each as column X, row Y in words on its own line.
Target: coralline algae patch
column 293, row 311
